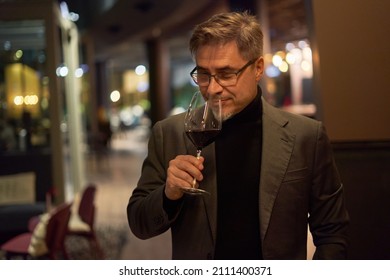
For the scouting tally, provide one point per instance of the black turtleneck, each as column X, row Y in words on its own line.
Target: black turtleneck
column 238, row 157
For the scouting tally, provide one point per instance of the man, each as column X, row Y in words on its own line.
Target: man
column 269, row 173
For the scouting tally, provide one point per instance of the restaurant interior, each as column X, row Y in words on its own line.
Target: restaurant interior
column 82, row 83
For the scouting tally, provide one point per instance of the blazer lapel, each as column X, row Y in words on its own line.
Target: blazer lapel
column 276, row 152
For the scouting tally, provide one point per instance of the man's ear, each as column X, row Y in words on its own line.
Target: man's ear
column 259, row 68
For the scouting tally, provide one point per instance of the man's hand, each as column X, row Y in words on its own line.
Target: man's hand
column 181, row 173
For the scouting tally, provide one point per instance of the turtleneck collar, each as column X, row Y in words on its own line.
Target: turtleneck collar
column 252, row 112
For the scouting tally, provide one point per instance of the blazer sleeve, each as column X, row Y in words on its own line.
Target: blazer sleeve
column 328, row 217
column 145, row 211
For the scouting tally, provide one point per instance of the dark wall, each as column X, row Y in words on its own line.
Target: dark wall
column 353, row 100
column 365, row 171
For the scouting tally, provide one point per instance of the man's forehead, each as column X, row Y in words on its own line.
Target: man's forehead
column 222, row 56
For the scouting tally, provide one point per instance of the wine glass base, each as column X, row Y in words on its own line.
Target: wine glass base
column 194, row 191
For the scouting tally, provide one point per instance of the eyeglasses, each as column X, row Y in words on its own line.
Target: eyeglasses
column 225, row 79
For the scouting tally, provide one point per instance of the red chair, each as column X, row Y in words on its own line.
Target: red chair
column 83, row 224
column 54, row 237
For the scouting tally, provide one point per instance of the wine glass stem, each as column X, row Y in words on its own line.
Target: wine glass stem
column 198, row 153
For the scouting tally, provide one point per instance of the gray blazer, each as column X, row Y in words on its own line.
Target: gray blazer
column 299, row 185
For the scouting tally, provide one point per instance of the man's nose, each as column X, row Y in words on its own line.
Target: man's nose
column 214, row 87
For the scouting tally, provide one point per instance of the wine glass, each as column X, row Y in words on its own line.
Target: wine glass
column 202, row 123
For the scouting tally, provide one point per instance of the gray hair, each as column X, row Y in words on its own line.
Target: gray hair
column 223, row 28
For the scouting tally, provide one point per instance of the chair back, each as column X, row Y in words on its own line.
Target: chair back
column 56, row 229
column 86, row 209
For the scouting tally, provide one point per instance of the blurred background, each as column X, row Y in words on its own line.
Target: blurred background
column 82, row 82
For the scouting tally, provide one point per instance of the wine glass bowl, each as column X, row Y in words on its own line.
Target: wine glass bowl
column 202, row 124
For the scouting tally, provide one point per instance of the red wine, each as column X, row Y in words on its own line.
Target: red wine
column 202, row 138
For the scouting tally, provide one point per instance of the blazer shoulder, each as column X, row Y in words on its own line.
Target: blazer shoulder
column 285, row 119
column 171, row 119
column 173, row 122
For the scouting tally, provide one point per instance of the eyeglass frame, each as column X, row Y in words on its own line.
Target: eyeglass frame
column 215, row 76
